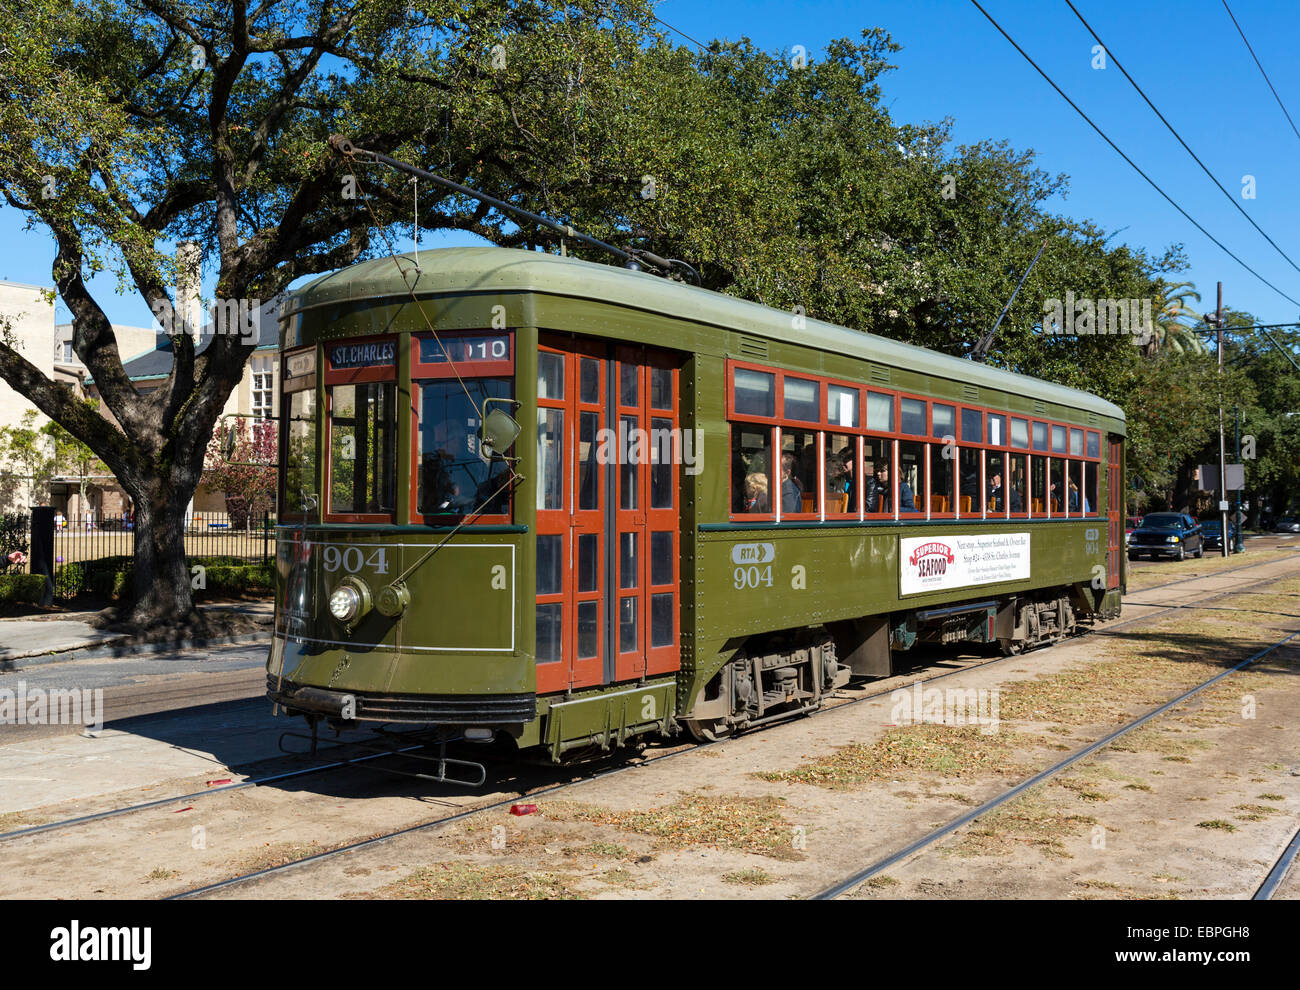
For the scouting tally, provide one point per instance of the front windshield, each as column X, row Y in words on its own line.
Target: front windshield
column 1162, row 522
column 453, row 479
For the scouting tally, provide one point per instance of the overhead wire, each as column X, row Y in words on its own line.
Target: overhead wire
column 1119, row 151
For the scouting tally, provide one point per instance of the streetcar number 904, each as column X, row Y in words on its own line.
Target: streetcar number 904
column 353, row 559
column 752, row 577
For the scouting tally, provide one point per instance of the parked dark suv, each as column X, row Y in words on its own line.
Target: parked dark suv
column 1167, row 534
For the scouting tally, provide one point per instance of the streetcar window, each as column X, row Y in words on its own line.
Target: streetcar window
column 454, row 480
column 549, row 632
column 997, row 430
column 550, row 375
column 550, row 458
column 1076, row 443
column 880, row 412
column 1016, row 483
column 1056, row 486
column 628, row 390
column 588, row 379
column 755, row 393
column 911, row 477
column 627, row 625
column 300, row 458
column 661, row 619
column 750, row 470
column 997, row 483
column 1090, row 488
column 798, row 472
column 841, row 472
column 588, row 630
column 970, row 494
column 661, row 558
column 802, row 400
column 1038, row 485
column 661, row 463
column 1074, row 487
column 941, row 479
column 1094, row 447
column 972, row 426
column 1058, row 439
column 944, row 418
column 913, row 417
column 842, row 406
column 588, row 464
column 877, row 455
column 1020, row 433
column 588, row 562
column 629, row 559
column 549, row 564
column 629, row 471
column 363, row 448
column 1040, row 436
column 661, row 388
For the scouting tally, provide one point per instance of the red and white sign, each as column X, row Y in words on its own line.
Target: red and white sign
column 940, row 562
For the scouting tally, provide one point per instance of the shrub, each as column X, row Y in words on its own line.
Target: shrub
column 110, row 577
column 29, row 588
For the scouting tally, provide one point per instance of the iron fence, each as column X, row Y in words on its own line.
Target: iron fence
column 99, row 537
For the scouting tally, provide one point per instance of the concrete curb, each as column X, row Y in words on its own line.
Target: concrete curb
column 99, row 650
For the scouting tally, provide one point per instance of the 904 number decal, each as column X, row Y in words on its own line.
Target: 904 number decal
column 752, row 577
column 352, row 560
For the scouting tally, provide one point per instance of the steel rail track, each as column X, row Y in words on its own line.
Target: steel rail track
column 437, row 823
column 858, row 878
column 341, row 764
column 1279, row 871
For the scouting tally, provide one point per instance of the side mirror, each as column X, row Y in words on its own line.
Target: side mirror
column 499, row 430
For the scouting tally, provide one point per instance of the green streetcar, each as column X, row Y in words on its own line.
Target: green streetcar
column 534, row 498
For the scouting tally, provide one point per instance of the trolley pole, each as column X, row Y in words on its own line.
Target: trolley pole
column 1223, row 456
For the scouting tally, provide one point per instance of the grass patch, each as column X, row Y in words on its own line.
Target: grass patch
column 749, row 878
column 469, row 882
column 1029, row 821
column 1218, row 823
column 158, row 873
column 1272, row 797
column 882, row 881
column 749, row 824
column 907, row 751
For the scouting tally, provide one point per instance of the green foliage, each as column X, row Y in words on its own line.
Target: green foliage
column 26, row 464
column 13, row 537
column 26, row 588
column 111, row 577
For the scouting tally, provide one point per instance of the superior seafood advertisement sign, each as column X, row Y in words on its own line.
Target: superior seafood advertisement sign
column 937, row 563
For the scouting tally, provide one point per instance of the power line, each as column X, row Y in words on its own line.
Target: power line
column 701, row 47
column 1231, row 198
column 1132, row 164
column 1261, row 68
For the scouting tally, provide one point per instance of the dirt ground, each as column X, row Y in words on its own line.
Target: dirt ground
column 1198, row 803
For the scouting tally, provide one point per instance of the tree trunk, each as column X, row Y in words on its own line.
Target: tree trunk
column 161, row 579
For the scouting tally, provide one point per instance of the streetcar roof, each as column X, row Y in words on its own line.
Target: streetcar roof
column 495, row 269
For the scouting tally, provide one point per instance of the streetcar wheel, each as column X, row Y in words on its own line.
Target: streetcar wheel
column 1011, row 647
column 710, row 731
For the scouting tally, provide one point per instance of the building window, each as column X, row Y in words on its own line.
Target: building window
column 262, row 391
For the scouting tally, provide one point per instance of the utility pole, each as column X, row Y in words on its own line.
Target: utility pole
column 1238, row 545
column 1223, row 456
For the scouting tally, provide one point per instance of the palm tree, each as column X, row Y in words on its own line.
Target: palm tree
column 1174, row 322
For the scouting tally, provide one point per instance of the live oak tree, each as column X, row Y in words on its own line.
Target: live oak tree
column 131, row 125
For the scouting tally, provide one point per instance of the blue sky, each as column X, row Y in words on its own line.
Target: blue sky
column 1187, row 56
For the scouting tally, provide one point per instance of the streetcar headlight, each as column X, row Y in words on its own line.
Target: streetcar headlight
column 345, row 603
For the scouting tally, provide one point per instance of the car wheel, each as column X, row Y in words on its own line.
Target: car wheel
column 1182, row 554
column 1200, row 551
